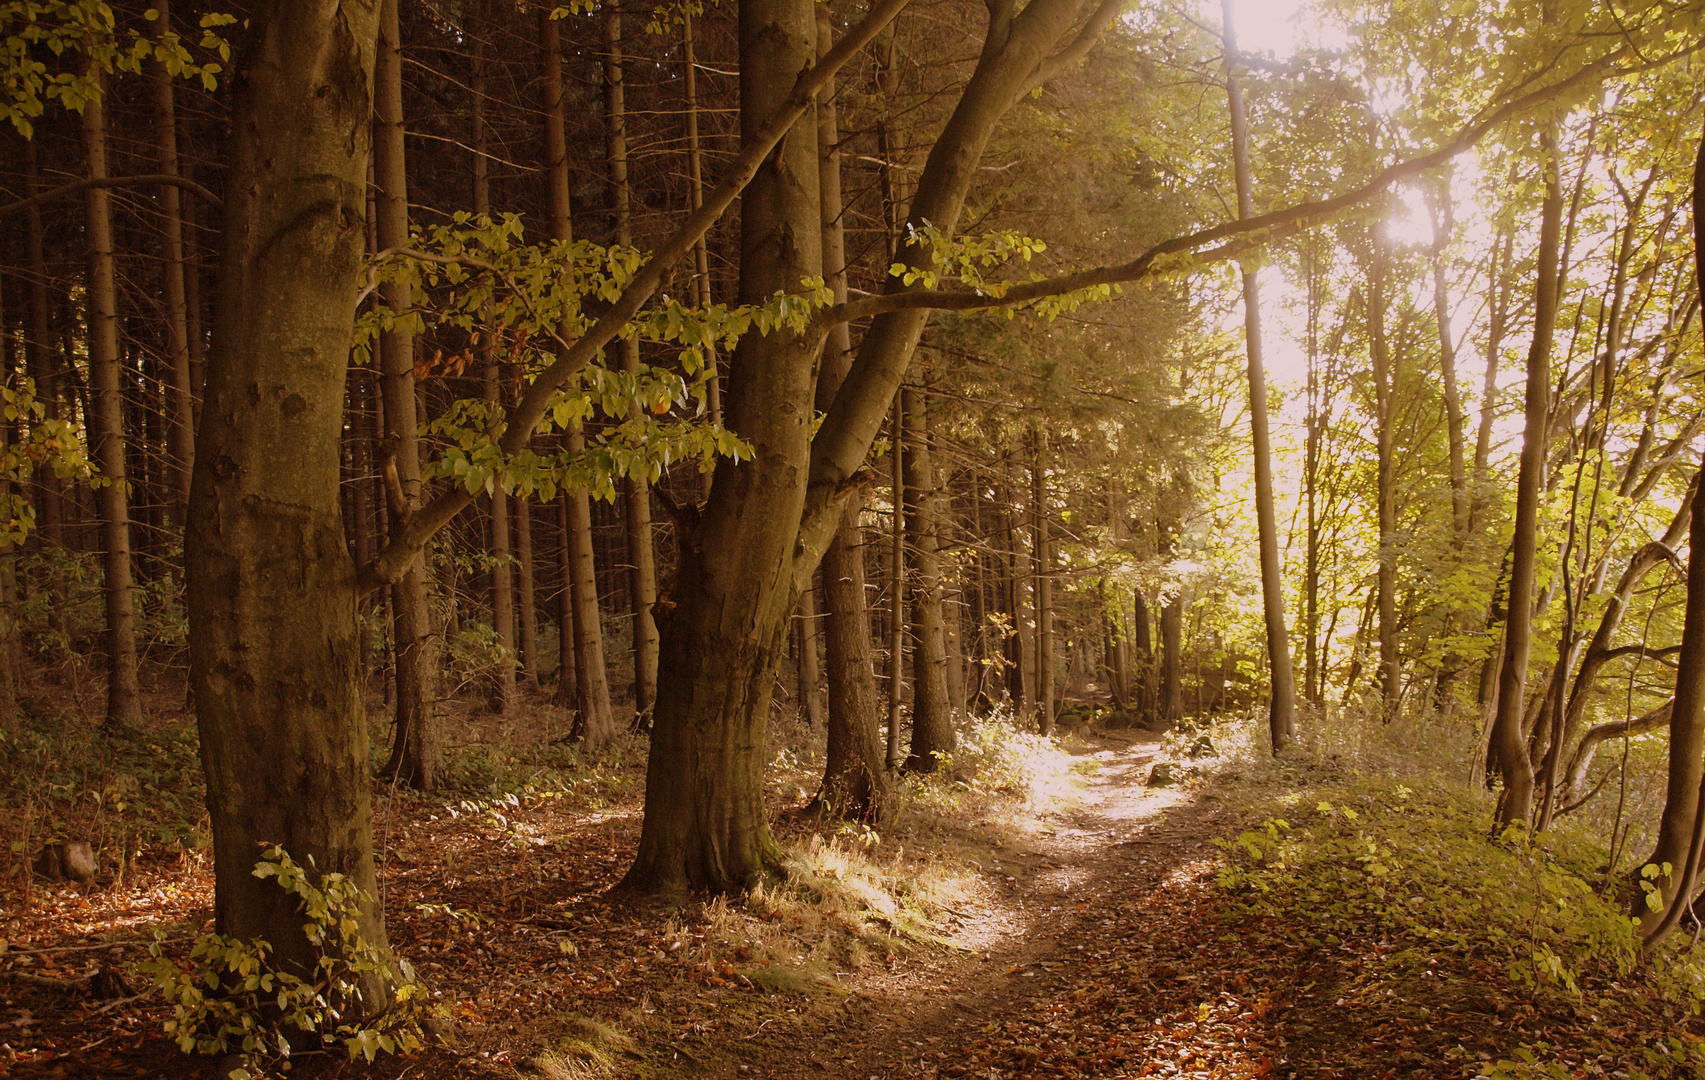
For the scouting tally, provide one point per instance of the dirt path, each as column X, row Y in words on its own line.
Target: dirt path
column 1049, row 907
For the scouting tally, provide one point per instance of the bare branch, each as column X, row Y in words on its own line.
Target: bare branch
column 145, row 180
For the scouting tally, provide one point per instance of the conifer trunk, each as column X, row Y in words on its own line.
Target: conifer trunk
column 855, row 779
column 1044, row 587
column 181, row 397
column 124, row 695
column 636, row 492
column 591, row 688
column 415, row 751
column 932, row 719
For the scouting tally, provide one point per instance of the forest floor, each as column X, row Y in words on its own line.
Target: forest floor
column 1055, row 916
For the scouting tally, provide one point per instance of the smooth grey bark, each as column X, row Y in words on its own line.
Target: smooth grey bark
column 271, row 589
column 705, row 826
column 415, row 748
column 124, row 695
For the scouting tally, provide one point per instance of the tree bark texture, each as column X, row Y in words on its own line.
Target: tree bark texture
column 1508, row 747
column 124, row 695
column 704, row 817
column 415, row 749
column 932, row 717
column 274, row 657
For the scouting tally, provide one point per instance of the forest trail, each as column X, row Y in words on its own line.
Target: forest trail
column 1064, row 889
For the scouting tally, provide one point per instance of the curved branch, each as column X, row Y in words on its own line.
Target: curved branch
column 400, row 553
column 1079, row 46
column 1235, row 237
column 146, row 179
column 1580, row 762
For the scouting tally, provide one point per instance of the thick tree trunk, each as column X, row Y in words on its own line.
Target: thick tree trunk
column 415, row 751
column 855, row 778
column 1507, row 744
column 181, row 411
column 591, row 687
column 274, row 658
column 1142, row 649
column 704, row 815
column 124, row 695
column 932, row 717
column 636, row 492
column 1281, row 711
column 1172, row 661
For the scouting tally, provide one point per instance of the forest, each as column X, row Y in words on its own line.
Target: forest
column 853, row 538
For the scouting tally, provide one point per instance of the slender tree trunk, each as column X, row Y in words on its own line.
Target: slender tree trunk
column 636, row 492
column 1507, row 745
column 527, row 607
column 1281, row 716
column 1390, row 664
column 701, row 247
column 1454, row 422
column 415, row 751
column 274, row 657
column 591, row 688
column 1172, row 661
column 1496, row 324
column 896, row 585
column 855, row 779
column 124, row 696
column 181, row 412
column 1044, row 588
column 932, row 718
column 42, row 367
column 810, row 696
column 705, row 826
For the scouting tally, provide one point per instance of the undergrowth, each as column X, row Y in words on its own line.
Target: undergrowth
column 1389, row 851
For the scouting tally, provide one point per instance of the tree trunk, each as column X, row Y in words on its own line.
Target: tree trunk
column 527, row 609
column 855, row 778
column 1390, row 664
column 1281, row 713
column 415, row 751
column 274, row 657
column 181, row 412
column 1044, row 589
column 896, row 583
column 701, row 246
column 1172, row 661
column 592, row 689
column 42, row 367
column 704, row 815
column 932, row 717
column 124, row 695
column 1507, row 745
column 810, row 696
column 1142, row 647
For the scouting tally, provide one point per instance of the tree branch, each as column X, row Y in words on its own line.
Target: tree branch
column 1235, row 237
column 408, row 541
column 1079, row 46
column 144, row 180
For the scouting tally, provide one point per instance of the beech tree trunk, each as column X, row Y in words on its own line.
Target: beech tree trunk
column 271, row 590
column 1379, row 345
column 1508, row 746
column 415, row 750
column 932, row 716
column 124, row 695
column 1281, row 712
column 527, row 607
column 705, row 826
column 806, row 663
